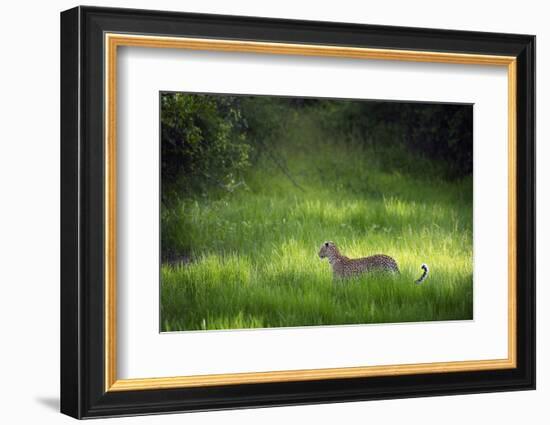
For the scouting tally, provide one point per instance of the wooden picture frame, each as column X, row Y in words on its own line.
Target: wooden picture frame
column 90, row 38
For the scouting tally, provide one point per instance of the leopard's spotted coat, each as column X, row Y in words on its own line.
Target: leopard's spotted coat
column 344, row 267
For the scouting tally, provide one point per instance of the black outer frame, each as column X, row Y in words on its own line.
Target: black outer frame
column 82, row 212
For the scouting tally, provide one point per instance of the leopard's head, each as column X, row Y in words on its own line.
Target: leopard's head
column 328, row 249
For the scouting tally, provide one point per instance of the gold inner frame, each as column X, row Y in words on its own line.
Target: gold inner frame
column 113, row 41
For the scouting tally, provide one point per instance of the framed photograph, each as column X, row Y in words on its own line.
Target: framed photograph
column 261, row 212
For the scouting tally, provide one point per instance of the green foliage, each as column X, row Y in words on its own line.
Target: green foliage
column 203, row 144
column 442, row 132
column 208, row 141
column 436, row 131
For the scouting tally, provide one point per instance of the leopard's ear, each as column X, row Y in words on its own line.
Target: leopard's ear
column 326, row 244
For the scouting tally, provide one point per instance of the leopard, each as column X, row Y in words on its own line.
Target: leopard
column 344, row 267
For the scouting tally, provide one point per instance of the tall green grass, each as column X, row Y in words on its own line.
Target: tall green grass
column 248, row 259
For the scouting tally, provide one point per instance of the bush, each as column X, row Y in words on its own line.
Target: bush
column 202, row 143
column 442, row 132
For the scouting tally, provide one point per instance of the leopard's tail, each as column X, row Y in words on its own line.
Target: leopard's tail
column 424, row 274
